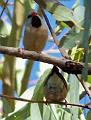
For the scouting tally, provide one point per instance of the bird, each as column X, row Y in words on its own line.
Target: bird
column 55, row 86
column 35, row 38
column 36, row 33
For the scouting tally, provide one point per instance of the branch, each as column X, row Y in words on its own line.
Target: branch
column 88, row 92
column 62, row 50
column 45, row 102
column 68, row 66
column 56, row 41
column 5, row 5
column 84, row 93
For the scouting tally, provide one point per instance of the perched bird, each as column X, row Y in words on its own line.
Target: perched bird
column 36, row 33
column 35, row 38
column 55, row 86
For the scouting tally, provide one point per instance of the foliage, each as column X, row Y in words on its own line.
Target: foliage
column 72, row 40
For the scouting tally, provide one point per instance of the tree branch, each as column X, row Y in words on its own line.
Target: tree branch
column 45, row 102
column 68, row 66
column 88, row 92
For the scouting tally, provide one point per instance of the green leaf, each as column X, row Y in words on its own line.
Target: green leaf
column 76, row 4
column 22, row 109
column 5, row 30
column 29, row 5
column 89, row 57
column 47, row 113
column 35, row 112
column 53, row 108
column 6, row 105
column 74, row 95
column 4, row 40
column 8, row 14
column 79, row 13
column 38, row 95
column 64, row 114
column 38, row 92
column 86, row 37
column 22, row 114
column 89, row 79
column 59, row 12
column 1, row 67
column 71, row 39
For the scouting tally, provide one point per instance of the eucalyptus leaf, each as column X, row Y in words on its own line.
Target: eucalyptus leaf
column 89, row 79
column 35, row 112
column 5, row 29
column 38, row 95
column 62, row 13
column 9, row 14
column 86, row 37
column 74, row 95
column 76, row 4
column 4, row 40
column 59, row 12
column 89, row 57
column 22, row 114
column 72, row 39
column 29, row 5
column 6, row 105
column 49, row 113
column 38, row 92
column 64, row 114
column 79, row 13
column 22, row 109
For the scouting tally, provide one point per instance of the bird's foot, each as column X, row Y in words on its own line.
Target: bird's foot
column 21, row 51
column 66, row 103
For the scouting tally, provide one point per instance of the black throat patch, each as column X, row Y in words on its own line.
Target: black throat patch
column 36, row 22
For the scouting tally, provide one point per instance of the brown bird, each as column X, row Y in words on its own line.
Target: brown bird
column 55, row 86
column 35, row 38
column 36, row 33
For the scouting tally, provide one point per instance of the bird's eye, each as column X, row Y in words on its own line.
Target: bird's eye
column 29, row 16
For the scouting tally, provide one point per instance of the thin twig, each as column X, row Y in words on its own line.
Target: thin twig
column 84, row 86
column 84, row 93
column 4, row 8
column 42, row 101
column 49, row 26
column 62, row 50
